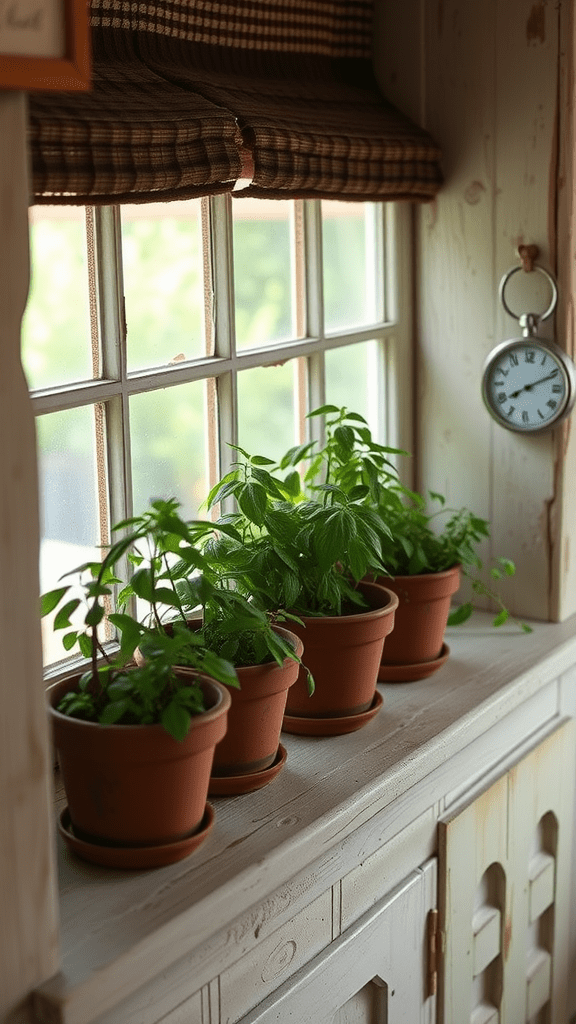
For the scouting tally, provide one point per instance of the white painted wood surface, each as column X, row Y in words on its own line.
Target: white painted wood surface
column 483, row 76
column 519, row 830
column 145, row 942
column 384, row 946
column 28, row 916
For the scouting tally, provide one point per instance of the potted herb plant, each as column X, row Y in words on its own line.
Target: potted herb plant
column 135, row 743
column 425, row 554
column 185, row 594
column 310, row 556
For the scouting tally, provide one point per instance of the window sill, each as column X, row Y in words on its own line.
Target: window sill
column 119, row 929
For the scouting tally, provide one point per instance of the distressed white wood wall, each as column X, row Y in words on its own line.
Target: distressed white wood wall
column 28, row 925
column 489, row 83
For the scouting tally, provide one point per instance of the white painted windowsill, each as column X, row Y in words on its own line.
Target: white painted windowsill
column 119, row 929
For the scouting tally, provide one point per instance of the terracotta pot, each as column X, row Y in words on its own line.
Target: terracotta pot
column 343, row 653
column 135, row 784
column 421, row 616
column 255, row 717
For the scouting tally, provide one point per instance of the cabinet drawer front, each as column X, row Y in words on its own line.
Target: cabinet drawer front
column 262, row 970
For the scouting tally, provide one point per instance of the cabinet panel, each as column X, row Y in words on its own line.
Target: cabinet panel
column 262, row 970
column 375, row 973
column 505, row 861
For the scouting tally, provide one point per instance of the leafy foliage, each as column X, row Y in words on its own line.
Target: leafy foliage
column 292, row 552
column 412, row 540
column 174, row 579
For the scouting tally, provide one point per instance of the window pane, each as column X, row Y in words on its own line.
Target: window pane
column 163, row 283
column 352, row 379
column 262, row 271
column 56, row 345
column 353, row 295
column 68, row 504
column 266, row 410
column 168, row 447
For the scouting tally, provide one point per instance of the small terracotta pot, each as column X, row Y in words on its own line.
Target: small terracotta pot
column 421, row 616
column 343, row 652
column 135, row 784
column 255, row 717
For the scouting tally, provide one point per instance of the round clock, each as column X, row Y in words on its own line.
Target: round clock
column 529, row 383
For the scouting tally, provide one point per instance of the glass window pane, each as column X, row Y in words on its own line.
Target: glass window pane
column 353, row 296
column 352, row 380
column 56, row 346
column 262, row 272
column 168, row 447
column 68, row 504
column 163, row 283
column 266, row 410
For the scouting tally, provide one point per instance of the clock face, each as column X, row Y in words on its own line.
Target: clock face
column 526, row 387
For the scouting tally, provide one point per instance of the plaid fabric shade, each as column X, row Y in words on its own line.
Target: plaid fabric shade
column 182, row 90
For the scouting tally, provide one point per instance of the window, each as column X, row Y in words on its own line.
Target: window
column 155, row 334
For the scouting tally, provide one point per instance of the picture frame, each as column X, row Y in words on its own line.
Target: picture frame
column 45, row 45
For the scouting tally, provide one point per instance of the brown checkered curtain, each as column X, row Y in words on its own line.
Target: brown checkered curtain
column 183, row 90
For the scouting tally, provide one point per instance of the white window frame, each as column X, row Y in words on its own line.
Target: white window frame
column 392, row 378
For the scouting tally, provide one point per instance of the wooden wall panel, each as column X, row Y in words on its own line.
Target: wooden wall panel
column 28, row 938
column 490, row 98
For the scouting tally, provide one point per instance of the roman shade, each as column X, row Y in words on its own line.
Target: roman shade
column 188, row 95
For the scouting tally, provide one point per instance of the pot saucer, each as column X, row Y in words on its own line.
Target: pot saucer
column 134, row 857
column 411, row 673
column 331, row 726
column 233, row 785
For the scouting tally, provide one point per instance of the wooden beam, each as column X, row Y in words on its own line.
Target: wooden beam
column 28, row 920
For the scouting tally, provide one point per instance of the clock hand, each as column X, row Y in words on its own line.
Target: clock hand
column 528, row 387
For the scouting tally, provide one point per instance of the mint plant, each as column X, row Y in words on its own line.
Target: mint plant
column 292, row 552
column 412, row 540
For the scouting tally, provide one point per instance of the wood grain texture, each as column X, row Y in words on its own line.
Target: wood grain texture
column 490, row 94
column 28, row 919
column 562, row 510
column 335, row 804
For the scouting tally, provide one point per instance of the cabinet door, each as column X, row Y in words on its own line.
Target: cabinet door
column 505, row 861
column 375, row 973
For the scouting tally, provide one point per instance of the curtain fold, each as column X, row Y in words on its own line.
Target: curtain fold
column 182, row 88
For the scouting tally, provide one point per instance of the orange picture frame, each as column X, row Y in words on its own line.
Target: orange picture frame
column 45, row 44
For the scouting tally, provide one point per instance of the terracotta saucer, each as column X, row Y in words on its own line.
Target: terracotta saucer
column 233, row 785
column 134, row 856
column 411, row 673
column 331, row 726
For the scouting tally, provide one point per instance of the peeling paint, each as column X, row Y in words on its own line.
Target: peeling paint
column 536, row 24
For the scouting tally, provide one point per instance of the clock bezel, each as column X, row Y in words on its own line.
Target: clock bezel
column 544, row 345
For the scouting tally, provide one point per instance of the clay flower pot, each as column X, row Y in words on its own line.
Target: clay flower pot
column 256, row 712
column 343, row 653
column 135, row 785
column 421, row 616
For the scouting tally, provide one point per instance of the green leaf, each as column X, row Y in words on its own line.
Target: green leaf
column 460, row 615
column 143, row 584
column 176, row 720
column 69, row 639
column 94, row 615
column 501, row 618
column 112, row 712
column 49, row 601
column 437, row 497
column 322, row 410
column 62, row 619
column 252, row 501
column 85, row 645
column 261, row 460
column 526, row 628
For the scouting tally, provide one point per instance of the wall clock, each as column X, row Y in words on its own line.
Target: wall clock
column 529, row 383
